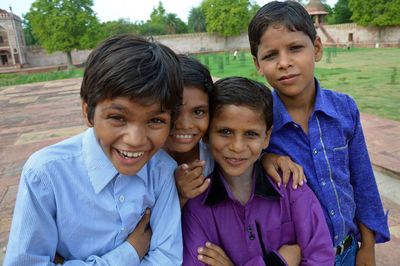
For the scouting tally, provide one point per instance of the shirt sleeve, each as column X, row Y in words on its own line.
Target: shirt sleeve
column 369, row 209
column 34, row 233
column 312, row 232
column 165, row 222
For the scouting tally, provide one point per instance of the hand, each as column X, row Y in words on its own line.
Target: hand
column 190, row 180
column 141, row 236
column 272, row 163
column 365, row 256
column 291, row 254
column 213, row 255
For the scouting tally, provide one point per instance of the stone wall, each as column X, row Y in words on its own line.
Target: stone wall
column 362, row 36
column 204, row 42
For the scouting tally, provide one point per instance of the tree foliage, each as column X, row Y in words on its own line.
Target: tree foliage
column 28, row 33
column 377, row 13
column 120, row 26
column 196, row 20
column 64, row 25
column 226, row 17
column 342, row 12
column 162, row 22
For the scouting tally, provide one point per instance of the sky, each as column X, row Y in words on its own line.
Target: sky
column 134, row 10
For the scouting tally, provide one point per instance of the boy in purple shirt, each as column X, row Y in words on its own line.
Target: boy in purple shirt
column 319, row 129
column 243, row 218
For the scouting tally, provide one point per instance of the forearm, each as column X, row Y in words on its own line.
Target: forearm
column 367, row 236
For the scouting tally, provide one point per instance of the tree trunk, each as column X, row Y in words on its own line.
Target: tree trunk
column 69, row 57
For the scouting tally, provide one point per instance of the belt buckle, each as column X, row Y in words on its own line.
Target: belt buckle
column 341, row 248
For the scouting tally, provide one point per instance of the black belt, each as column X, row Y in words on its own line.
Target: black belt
column 346, row 243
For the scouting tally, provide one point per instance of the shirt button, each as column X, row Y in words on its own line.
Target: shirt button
column 332, row 212
column 315, row 151
column 336, row 237
column 323, row 183
column 295, row 125
column 249, row 229
column 123, row 229
column 252, row 237
column 121, row 198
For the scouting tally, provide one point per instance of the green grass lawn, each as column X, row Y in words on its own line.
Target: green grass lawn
column 370, row 76
column 16, row 79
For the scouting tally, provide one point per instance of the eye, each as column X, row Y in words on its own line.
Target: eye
column 157, row 121
column 224, row 132
column 199, row 112
column 269, row 56
column 116, row 119
column 252, row 134
column 296, row 47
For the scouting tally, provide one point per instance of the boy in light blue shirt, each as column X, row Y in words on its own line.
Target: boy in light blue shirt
column 107, row 196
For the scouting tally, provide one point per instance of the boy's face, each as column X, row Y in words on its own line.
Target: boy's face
column 237, row 135
column 129, row 132
column 192, row 122
column 286, row 59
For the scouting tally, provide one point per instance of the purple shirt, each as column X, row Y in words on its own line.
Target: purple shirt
column 252, row 234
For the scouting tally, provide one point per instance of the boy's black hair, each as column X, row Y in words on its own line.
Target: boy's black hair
column 290, row 14
column 195, row 74
column 133, row 67
column 242, row 92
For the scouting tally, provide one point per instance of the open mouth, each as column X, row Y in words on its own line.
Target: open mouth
column 184, row 136
column 130, row 155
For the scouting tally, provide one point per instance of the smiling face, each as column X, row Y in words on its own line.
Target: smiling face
column 286, row 59
column 128, row 132
column 237, row 135
column 191, row 124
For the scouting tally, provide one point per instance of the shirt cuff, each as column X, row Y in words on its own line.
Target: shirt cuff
column 125, row 254
column 273, row 258
column 379, row 225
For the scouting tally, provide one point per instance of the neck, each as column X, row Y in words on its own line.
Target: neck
column 186, row 157
column 241, row 186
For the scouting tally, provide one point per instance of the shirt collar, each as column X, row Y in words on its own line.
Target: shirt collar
column 263, row 186
column 100, row 169
column 322, row 103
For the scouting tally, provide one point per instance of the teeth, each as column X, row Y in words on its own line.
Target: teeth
column 131, row 154
column 182, row 136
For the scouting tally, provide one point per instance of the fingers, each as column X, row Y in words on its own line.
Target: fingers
column 212, row 254
column 145, row 221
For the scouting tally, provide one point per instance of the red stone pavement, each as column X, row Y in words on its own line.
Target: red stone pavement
column 36, row 115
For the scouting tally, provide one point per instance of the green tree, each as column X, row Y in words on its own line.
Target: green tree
column 28, row 34
column 162, row 22
column 120, row 26
column 342, row 12
column 196, row 20
column 377, row 13
column 226, row 17
column 64, row 25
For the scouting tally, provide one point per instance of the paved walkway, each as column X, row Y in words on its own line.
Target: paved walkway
column 36, row 115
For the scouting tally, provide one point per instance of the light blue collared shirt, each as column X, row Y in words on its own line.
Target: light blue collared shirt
column 71, row 200
column 336, row 162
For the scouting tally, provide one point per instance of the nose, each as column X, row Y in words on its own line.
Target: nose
column 135, row 136
column 284, row 60
column 183, row 121
column 237, row 144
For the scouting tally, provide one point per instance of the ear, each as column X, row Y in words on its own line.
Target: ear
column 318, row 49
column 85, row 113
column 257, row 65
column 267, row 138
